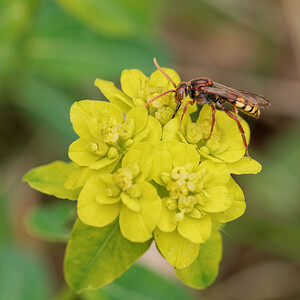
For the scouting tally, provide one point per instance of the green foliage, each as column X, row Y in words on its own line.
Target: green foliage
column 203, row 271
column 139, row 283
column 130, row 17
column 272, row 219
column 51, row 222
column 22, row 276
column 50, row 179
column 96, row 256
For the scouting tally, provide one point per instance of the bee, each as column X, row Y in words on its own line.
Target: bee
column 205, row 91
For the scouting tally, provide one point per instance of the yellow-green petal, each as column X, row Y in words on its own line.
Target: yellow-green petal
column 79, row 177
column 89, row 210
column 195, row 230
column 131, row 203
column 141, row 154
column 163, row 164
column 139, row 116
column 158, row 79
column 171, row 129
column 87, row 113
column 105, row 163
column 244, row 166
column 177, row 250
column 184, row 153
column 139, row 226
column 155, row 131
column 167, row 218
column 232, row 137
column 79, row 154
column 216, row 199
column 131, row 82
column 214, row 174
column 114, row 95
column 237, row 207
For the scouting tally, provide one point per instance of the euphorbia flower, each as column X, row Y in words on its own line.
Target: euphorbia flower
column 104, row 134
column 195, row 195
column 225, row 144
column 138, row 89
column 126, row 193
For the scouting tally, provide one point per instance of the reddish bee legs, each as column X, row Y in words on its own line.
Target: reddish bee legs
column 176, row 109
column 213, row 119
column 235, row 110
column 241, row 129
column 184, row 111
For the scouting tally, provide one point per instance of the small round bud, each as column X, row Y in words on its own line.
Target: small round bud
column 135, row 191
column 91, row 147
column 112, row 152
column 128, row 143
column 204, row 149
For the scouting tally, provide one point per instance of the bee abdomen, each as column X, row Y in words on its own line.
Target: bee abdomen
column 247, row 107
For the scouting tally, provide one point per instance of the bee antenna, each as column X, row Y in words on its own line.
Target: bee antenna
column 160, row 69
column 166, row 92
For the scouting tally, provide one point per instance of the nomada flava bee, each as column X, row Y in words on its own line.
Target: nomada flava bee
column 205, row 91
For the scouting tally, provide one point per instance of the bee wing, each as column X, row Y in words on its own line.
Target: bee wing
column 233, row 94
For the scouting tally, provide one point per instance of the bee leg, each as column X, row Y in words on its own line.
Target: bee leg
column 241, row 129
column 184, row 111
column 234, row 110
column 176, row 109
column 213, row 119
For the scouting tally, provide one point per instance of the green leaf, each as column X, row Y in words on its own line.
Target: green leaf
column 48, row 106
column 5, row 216
column 50, row 179
column 140, row 283
column 77, row 55
column 51, row 222
column 23, row 275
column 113, row 17
column 203, row 271
column 96, row 256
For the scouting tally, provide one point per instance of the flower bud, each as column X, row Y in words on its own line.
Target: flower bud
column 135, row 191
column 127, row 129
column 91, row 147
column 112, row 152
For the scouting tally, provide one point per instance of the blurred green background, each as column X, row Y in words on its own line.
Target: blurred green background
column 50, row 54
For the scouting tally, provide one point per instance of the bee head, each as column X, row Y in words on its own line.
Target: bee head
column 181, row 91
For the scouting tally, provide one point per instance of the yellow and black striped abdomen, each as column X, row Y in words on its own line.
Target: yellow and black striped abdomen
column 246, row 106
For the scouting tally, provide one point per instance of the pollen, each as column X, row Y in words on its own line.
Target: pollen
column 110, row 132
column 183, row 187
column 127, row 129
column 123, row 178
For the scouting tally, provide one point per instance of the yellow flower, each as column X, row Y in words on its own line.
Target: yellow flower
column 138, row 89
column 195, row 195
column 126, row 193
column 104, row 135
column 225, row 144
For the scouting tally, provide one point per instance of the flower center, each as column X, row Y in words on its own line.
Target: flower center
column 112, row 138
column 124, row 178
column 163, row 107
column 183, row 186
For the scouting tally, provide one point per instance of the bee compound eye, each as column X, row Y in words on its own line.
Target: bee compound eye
column 181, row 94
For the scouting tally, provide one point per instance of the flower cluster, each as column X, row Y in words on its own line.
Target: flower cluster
column 135, row 167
